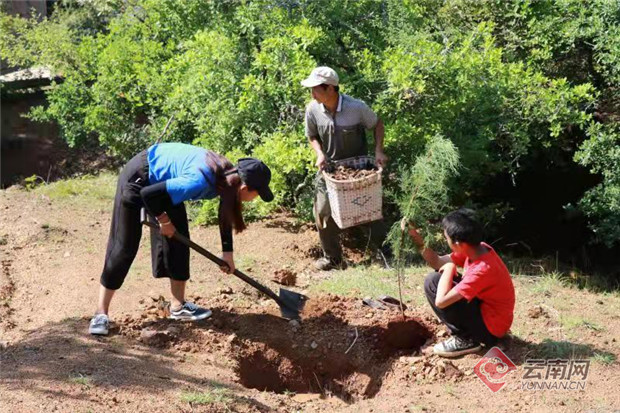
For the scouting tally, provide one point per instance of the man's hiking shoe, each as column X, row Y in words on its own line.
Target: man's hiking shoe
column 325, row 264
column 99, row 325
column 456, row 346
column 190, row 311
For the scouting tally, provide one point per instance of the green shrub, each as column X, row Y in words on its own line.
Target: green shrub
column 506, row 82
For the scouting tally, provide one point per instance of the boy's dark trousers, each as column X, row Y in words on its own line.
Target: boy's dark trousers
column 462, row 318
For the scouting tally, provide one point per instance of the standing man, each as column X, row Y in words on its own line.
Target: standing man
column 336, row 127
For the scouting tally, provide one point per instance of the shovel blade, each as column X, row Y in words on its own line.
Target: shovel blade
column 293, row 304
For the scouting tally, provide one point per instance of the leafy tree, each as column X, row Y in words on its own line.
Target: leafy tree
column 503, row 83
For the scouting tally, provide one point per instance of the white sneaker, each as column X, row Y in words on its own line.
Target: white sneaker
column 99, row 325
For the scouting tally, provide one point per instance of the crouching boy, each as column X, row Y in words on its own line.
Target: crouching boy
column 478, row 306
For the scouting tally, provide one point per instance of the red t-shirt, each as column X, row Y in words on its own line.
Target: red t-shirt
column 488, row 279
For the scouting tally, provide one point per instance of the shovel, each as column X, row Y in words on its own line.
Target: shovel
column 290, row 302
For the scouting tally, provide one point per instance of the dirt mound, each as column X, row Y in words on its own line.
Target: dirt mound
column 314, row 252
column 285, row 276
column 340, row 347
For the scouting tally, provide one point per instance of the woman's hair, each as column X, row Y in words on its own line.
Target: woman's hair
column 227, row 182
column 462, row 226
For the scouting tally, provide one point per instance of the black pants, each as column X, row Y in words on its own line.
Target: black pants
column 462, row 318
column 169, row 258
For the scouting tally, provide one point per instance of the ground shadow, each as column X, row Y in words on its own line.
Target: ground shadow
column 520, row 351
column 289, row 225
column 64, row 353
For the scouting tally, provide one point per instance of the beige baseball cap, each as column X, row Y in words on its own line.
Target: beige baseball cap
column 321, row 75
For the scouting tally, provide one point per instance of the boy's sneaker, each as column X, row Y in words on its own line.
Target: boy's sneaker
column 99, row 325
column 456, row 346
column 190, row 311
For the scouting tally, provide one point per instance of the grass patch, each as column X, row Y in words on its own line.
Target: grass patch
column 549, row 282
column 215, row 395
column 373, row 281
column 81, row 380
column 101, row 187
column 246, row 261
column 604, row 358
column 551, row 349
column 571, row 322
column 356, row 281
column 450, row 390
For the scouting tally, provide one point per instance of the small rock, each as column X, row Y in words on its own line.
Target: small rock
column 441, row 333
column 294, row 324
column 369, row 315
column 67, row 254
column 313, row 345
column 154, row 338
column 231, row 338
column 536, row 312
column 225, row 290
column 285, row 276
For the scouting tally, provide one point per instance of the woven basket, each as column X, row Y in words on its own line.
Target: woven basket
column 355, row 201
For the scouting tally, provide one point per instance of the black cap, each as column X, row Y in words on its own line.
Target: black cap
column 256, row 175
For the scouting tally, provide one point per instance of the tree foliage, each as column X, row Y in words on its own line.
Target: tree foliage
column 503, row 81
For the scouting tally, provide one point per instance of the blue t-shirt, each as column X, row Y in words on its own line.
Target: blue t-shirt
column 184, row 170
